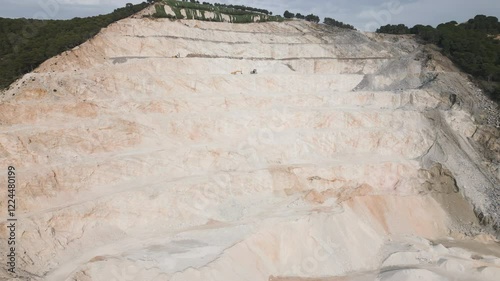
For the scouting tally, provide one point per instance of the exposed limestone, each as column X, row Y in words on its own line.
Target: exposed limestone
column 347, row 156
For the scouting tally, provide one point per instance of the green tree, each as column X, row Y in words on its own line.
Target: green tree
column 394, row 29
column 300, row 16
column 312, row 18
column 332, row 22
column 288, row 15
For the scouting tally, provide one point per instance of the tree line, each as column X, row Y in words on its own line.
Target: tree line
column 229, row 6
column 473, row 45
column 332, row 22
column 314, row 18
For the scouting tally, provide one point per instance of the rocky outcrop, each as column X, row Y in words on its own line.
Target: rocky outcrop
column 151, row 153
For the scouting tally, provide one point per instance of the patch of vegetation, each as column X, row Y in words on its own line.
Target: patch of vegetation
column 288, row 15
column 190, row 14
column 236, row 13
column 224, row 8
column 300, row 16
column 472, row 45
column 332, row 22
column 394, row 29
column 273, row 18
column 26, row 43
column 310, row 17
column 160, row 12
column 242, row 18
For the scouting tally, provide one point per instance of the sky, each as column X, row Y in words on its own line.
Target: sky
column 365, row 15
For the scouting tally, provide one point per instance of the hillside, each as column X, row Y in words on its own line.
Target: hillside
column 150, row 152
column 26, row 43
column 470, row 45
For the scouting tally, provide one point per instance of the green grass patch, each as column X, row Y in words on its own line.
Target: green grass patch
column 242, row 18
column 189, row 14
column 160, row 12
column 177, row 12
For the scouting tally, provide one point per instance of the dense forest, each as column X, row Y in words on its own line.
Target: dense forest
column 26, row 43
column 473, row 45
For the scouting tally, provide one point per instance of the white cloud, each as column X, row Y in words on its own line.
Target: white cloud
column 80, row 2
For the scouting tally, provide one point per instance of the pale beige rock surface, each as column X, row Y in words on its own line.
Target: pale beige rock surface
column 342, row 159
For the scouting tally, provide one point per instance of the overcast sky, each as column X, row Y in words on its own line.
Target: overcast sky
column 363, row 14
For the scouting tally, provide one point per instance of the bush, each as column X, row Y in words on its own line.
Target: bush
column 332, row 22
column 394, row 29
column 312, row 18
column 177, row 12
column 237, row 13
column 288, row 15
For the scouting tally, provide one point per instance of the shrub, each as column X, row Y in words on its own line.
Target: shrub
column 288, row 15
column 312, row 18
column 332, row 22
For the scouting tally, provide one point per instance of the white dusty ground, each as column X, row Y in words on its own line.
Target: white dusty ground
column 342, row 159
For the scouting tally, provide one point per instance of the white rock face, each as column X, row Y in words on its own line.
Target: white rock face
column 336, row 161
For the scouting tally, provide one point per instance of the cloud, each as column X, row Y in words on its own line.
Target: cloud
column 363, row 14
column 81, row 2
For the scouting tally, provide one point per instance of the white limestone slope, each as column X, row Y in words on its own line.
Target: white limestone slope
column 342, row 159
